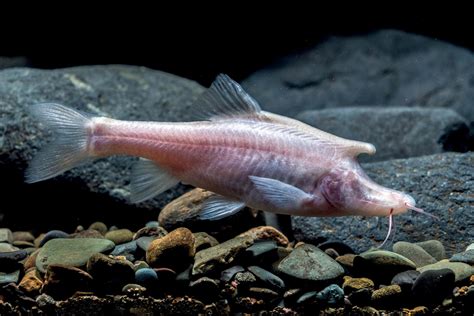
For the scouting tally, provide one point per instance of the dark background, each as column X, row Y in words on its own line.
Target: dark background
column 200, row 44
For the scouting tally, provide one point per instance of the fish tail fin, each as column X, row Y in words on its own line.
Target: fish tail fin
column 70, row 146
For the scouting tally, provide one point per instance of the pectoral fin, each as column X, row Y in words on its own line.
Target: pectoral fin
column 217, row 207
column 281, row 195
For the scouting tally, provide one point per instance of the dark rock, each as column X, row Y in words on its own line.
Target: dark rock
column 331, row 295
column 153, row 231
column 262, row 252
column 146, row 277
column 269, row 279
column 110, row 274
column 52, row 234
column 416, row 133
column 358, row 290
column 405, row 279
column 434, row 247
column 290, row 296
column 100, row 227
column 331, row 253
column 175, row 250
column 204, row 240
column 183, row 278
column 309, row 263
column 88, row 233
column 205, row 288
column 71, row 252
column 413, row 252
column 119, row 236
column 386, row 67
column 307, row 298
column 131, row 287
column 381, row 265
column 432, row 286
column 462, row 271
column 229, row 273
column 215, row 258
column 63, row 281
column 10, row 260
column 23, row 236
column 438, row 183
column 458, row 137
column 6, row 235
column 340, row 247
column 165, row 275
column 466, row 257
column 122, row 92
column 184, row 212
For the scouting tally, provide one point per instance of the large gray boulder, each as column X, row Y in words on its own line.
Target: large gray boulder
column 384, row 68
column 442, row 184
column 95, row 189
column 396, row 132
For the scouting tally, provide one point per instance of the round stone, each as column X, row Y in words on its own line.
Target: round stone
column 462, row 271
column 332, row 295
column 9, row 277
column 381, row 265
column 413, row 252
column 386, row 297
column 465, row 257
column 6, row 235
column 175, row 250
column 10, row 260
column 110, row 274
column 309, row 263
column 100, row 227
column 406, row 279
column 88, row 233
column 63, row 281
column 23, row 236
column 354, row 284
column 152, row 224
column 144, row 242
column 71, row 252
column 132, row 287
column 53, row 234
column 432, row 286
column 146, row 277
column 205, row 288
column 119, row 236
column 434, row 247
column 6, row 247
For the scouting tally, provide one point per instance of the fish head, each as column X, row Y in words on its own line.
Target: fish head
column 351, row 192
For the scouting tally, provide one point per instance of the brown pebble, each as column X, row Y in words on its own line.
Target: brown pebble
column 31, row 284
column 175, row 250
column 204, row 240
column 266, row 233
column 353, row 284
column 331, row 253
column 419, row 310
column 346, row 260
column 119, row 236
column 31, row 260
column 63, row 281
column 38, row 240
column 100, row 227
column 23, row 244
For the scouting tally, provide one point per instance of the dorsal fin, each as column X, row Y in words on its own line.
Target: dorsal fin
column 226, row 99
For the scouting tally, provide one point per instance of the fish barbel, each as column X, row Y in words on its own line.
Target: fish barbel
column 247, row 156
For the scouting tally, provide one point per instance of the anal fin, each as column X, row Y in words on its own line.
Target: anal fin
column 218, row 207
column 149, row 180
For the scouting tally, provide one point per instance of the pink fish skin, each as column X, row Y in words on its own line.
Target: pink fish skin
column 247, row 156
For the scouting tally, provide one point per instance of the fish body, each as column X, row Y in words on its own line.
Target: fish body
column 247, row 156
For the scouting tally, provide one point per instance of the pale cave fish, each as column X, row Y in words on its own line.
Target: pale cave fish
column 247, row 156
